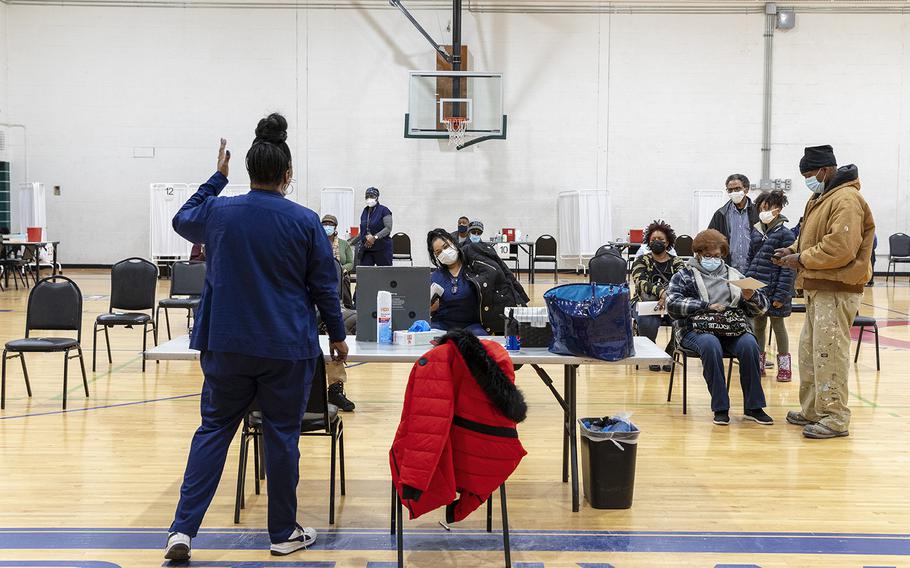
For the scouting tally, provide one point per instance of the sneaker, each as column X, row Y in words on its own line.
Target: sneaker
column 722, row 418
column 758, row 415
column 178, row 547
column 763, row 364
column 797, row 419
column 654, row 368
column 821, row 432
column 337, row 397
column 301, row 538
column 667, row 368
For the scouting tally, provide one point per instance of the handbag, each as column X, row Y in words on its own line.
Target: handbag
column 728, row 323
column 591, row 320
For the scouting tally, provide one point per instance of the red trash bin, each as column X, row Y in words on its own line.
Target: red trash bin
column 34, row 234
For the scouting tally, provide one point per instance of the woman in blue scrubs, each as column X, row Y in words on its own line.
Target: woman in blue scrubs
column 458, row 305
column 269, row 267
column 375, row 232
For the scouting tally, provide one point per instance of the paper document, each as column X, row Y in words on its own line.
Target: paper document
column 650, row 309
column 748, row 284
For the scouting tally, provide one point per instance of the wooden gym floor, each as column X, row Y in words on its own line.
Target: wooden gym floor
column 96, row 486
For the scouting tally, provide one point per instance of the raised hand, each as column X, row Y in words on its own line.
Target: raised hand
column 224, row 158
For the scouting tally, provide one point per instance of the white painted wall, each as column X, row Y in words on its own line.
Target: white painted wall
column 4, row 81
column 649, row 106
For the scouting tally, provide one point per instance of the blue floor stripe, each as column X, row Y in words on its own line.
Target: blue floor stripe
column 479, row 540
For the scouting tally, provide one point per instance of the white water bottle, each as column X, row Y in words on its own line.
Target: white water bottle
column 384, row 317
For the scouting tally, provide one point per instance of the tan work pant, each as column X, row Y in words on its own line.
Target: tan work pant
column 824, row 357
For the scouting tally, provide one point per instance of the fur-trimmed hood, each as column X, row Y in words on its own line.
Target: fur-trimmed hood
column 501, row 391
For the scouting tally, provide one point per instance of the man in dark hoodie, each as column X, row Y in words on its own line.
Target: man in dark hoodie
column 833, row 262
column 735, row 221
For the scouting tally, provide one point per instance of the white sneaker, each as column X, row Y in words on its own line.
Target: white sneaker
column 301, row 538
column 178, row 547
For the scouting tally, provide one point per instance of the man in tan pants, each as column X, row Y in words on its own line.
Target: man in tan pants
column 833, row 257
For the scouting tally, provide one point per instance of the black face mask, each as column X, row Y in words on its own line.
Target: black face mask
column 462, row 229
column 658, row 247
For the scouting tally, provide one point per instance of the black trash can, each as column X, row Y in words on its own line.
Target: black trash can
column 608, row 464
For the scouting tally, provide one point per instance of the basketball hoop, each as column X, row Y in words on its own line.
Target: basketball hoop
column 456, row 127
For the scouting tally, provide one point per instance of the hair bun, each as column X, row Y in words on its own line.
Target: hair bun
column 273, row 128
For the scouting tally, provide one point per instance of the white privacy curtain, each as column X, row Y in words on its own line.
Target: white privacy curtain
column 166, row 200
column 585, row 223
column 339, row 201
column 32, row 207
column 704, row 203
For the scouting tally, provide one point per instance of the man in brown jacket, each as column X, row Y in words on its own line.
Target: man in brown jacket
column 833, row 259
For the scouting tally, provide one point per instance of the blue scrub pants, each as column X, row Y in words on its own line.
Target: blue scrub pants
column 711, row 349
column 370, row 257
column 231, row 384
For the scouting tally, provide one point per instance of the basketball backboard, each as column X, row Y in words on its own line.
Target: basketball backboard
column 441, row 101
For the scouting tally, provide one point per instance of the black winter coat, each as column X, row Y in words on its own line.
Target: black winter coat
column 761, row 267
column 496, row 286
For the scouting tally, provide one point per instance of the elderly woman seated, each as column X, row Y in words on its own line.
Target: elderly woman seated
column 712, row 319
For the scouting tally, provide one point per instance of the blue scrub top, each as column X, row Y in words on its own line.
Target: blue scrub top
column 371, row 222
column 456, row 309
column 268, row 266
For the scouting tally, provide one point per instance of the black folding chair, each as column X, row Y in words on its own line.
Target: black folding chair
column 862, row 322
column 55, row 303
column 398, row 522
column 401, row 248
column 683, row 246
column 133, row 285
column 320, row 419
column 607, row 267
column 899, row 245
column 682, row 354
column 187, row 282
column 546, row 252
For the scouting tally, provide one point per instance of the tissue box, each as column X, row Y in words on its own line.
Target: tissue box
column 416, row 337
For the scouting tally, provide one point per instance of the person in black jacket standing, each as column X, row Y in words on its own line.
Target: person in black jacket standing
column 735, row 221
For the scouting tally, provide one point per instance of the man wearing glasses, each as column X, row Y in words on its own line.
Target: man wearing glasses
column 735, row 220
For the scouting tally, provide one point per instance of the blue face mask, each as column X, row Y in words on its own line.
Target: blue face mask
column 475, row 238
column 329, row 230
column 814, row 185
column 711, row 264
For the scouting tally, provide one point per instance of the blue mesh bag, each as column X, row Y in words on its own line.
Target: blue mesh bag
column 591, row 320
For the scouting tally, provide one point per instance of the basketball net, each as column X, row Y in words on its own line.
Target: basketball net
column 456, row 126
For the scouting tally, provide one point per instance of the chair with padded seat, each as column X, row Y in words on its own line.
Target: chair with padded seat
column 683, row 246
column 134, row 282
column 320, row 419
column 546, row 252
column 401, row 248
column 681, row 355
column 187, row 282
column 55, row 303
column 898, row 253
column 862, row 322
column 607, row 267
column 397, row 524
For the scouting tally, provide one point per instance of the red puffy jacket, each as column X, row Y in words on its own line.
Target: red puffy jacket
column 457, row 430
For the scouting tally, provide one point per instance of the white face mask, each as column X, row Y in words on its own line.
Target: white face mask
column 767, row 216
column 737, row 197
column 447, row 257
column 371, row 202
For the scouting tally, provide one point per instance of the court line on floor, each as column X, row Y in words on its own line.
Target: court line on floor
column 480, row 540
column 134, row 403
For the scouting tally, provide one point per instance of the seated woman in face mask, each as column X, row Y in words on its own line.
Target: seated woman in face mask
column 458, row 306
column 712, row 319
